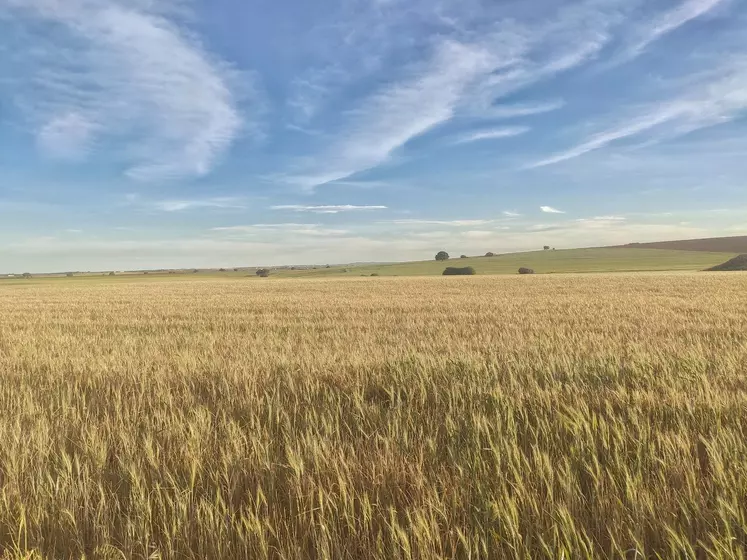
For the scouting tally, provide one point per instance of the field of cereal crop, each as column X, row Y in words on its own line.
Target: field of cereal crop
column 561, row 416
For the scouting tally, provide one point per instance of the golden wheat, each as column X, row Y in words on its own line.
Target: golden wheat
column 588, row 416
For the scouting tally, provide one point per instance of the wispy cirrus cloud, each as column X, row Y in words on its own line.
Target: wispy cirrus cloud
column 717, row 97
column 492, row 134
column 454, row 223
column 667, row 22
column 326, row 209
column 390, row 118
column 182, row 205
column 551, row 210
column 281, row 229
column 511, row 214
column 127, row 74
column 460, row 78
column 67, row 137
column 509, row 111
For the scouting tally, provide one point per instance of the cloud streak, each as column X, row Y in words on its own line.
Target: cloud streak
column 718, row 97
column 281, row 229
column 127, row 74
column 454, row 223
column 492, row 134
column 326, row 209
column 551, row 210
column 461, row 78
column 668, row 22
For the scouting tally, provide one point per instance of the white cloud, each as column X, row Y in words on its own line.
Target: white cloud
column 67, row 137
column 127, row 74
column 511, row 214
column 508, row 111
column 326, row 209
column 180, row 205
column 493, row 134
column 551, row 210
column 281, row 230
column 669, row 22
column 454, row 223
column 718, row 97
column 400, row 112
column 254, row 227
column 462, row 78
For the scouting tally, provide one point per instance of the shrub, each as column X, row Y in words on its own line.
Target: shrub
column 263, row 272
column 463, row 257
column 69, row 274
column 112, row 274
column 546, row 247
column 523, row 270
column 456, row 271
column 222, row 270
column 442, row 256
column 375, row 274
column 26, row 275
column 489, row 254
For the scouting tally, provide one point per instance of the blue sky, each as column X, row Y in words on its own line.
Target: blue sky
column 168, row 133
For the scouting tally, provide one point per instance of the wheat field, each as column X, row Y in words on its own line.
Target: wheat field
column 559, row 416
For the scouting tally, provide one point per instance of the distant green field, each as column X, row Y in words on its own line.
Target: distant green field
column 542, row 262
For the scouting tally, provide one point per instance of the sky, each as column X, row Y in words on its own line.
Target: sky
column 213, row 133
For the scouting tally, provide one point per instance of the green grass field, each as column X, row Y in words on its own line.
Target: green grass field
column 543, row 262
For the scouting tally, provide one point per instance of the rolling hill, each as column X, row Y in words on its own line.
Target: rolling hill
column 543, row 262
column 712, row 244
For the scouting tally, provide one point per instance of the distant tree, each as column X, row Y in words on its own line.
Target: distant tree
column 442, row 256
column 463, row 257
column 263, row 272
column 455, row 271
column 112, row 274
column 547, row 247
column 235, row 269
column 69, row 274
column 523, row 270
column 26, row 275
column 221, row 270
column 195, row 271
column 553, row 248
column 146, row 272
column 375, row 274
column 328, row 266
column 489, row 254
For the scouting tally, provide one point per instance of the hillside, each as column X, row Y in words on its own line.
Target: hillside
column 610, row 259
column 712, row 245
column 543, row 262
column 737, row 263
